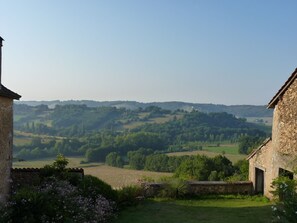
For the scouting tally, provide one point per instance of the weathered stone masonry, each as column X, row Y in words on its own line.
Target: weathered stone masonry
column 5, row 145
column 32, row 176
column 280, row 153
column 6, row 134
column 284, row 130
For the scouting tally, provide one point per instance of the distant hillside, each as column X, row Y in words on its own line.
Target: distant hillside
column 40, row 131
column 237, row 110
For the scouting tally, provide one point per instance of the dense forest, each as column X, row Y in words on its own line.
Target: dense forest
column 95, row 132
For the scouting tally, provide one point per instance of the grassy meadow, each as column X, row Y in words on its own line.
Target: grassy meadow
column 227, row 149
column 157, row 120
column 230, row 151
column 116, row 177
column 231, row 210
column 119, row 177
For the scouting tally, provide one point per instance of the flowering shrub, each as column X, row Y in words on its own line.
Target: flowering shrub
column 59, row 199
column 285, row 194
column 56, row 201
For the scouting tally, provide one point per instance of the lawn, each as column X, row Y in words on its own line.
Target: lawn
column 244, row 210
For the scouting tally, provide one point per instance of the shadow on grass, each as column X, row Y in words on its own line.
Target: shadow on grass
column 190, row 211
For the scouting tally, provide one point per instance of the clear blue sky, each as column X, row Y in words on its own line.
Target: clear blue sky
column 211, row 51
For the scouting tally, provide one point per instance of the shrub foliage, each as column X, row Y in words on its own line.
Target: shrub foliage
column 61, row 198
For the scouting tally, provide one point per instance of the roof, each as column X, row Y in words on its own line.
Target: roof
column 283, row 89
column 5, row 92
column 258, row 149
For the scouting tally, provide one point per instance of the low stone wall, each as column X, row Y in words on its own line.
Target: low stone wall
column 204, row 188
column 220, row 187
column 32, row 177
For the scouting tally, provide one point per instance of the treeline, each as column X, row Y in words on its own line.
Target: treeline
column 96, row 132
column 198, row 126
column 237, row 110
column 39, row 148
column 79, row 120
column 123, row 144
column 247, row 143
column 197, row 167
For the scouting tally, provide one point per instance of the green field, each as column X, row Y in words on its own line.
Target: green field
column 244, row 210
column 119, row 177
column 260, row 120
column 232, row 157
column 116, row 177
column 227, row 149
column 156, row 120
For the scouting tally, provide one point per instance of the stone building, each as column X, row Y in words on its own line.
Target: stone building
column 278, row 154
column 6, row 134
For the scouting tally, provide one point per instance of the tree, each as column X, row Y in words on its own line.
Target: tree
column 114, row 159
column 157, row 163
column 195, row 168
column 137, row 158
column 98, row 154
column 248, row 143
column 241, row 168
column 205, row 168
column 222, row 166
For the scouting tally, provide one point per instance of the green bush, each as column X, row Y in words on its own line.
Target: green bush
column 92, row 186
column 61, row 197
column 58, row 170
column 130, row 195
column 25, row 206
column 285, row 194
column 174, row 188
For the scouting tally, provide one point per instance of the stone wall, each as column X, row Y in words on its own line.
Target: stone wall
column 284, row 131
column 204, row 188
column 220, row 187
column 262, row 160
column 32, row 177
column 6, row 135
column 281, row 152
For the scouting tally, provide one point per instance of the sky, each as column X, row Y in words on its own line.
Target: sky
column 204, row 51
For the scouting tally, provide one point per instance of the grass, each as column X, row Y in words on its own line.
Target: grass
column 228, row 149
column 265, row 120
column 133, row 125
column 18, row 141
column 156, row 120
column 32, row 135
column 232, row 157
column 192, row 211
column 116, row 177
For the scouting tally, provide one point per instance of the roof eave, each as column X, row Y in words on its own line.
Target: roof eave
column 259, row 148
column 5, row 92
column 282, row 90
